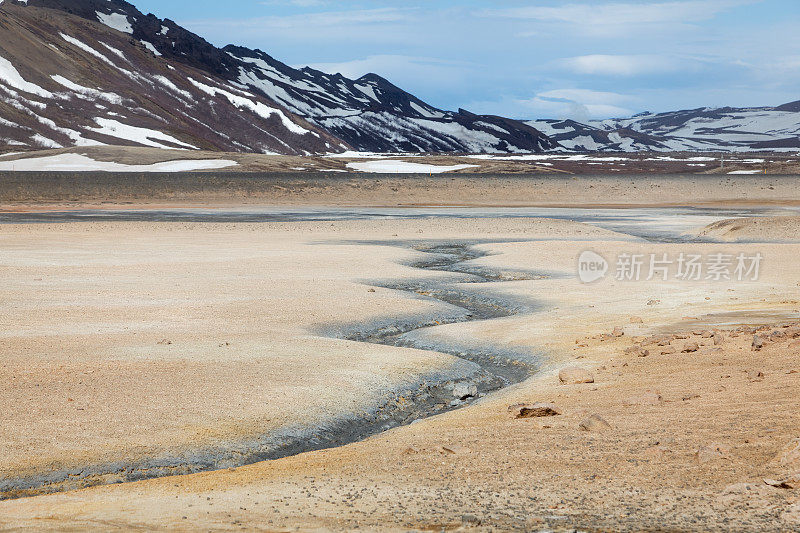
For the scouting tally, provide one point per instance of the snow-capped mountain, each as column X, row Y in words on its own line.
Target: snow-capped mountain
column 705, row 129
column 87, row 72
column 371, row 114
column 66, row 80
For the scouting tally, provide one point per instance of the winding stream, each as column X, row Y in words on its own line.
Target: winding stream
column 493, row 368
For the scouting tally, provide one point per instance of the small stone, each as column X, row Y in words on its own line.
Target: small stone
column 464, row 390
column 537, row 410
column 371, row 290
column 411, row 450
column 794, row 345
column 594, row 423
column 164, row 342
column 618, row 332
column 647, row 398
column 791, row 482
column 718, row 339
column 667, row 350
column 637, row 320
column 575, row 375
column 637, row 350
column 710, row 453
column 755, row 375
column 470, row 520
column 690, row 347
column 707, row 334
column 455, row 449
column 758, row 343
column 653, row 302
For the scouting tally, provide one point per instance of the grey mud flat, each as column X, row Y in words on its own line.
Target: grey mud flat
column 488, row 368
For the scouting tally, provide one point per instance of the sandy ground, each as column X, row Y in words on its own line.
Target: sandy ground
column 97, row 298
column 744, row 229
column 188, row 336
column 58, row 191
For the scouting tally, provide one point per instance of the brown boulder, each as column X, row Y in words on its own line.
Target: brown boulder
column 711, row 453
column 594, row 423
column 536, row 410
column 690, row 347
column 758, row 343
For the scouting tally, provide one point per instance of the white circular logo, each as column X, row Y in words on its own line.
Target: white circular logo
column 591, row 266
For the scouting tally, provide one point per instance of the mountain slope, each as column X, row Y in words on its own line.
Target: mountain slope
column 704, row 129
column 103, row 72
column 372, row 114
column 67, row 81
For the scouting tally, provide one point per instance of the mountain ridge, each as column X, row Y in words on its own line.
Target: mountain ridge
column 368, row 114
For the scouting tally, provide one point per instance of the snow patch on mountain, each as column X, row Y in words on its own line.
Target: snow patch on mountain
column 82, row 163
column 117, row 21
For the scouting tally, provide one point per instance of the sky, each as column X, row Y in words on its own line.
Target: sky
column 528, row 59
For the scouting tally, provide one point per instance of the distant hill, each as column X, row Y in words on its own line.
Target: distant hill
column 706, row 129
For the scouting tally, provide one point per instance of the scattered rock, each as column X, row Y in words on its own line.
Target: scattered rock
column 791, row 482
column 464, row 390
column 454, row 449
column 537, row 410
column 618, row 332
column 710, row 453
column 776, row 335
column 594, row 423
column 758, row 343
column 575, row 375
column 647, row 398
column 470, row 520
column 690, row 347
column 637, row 351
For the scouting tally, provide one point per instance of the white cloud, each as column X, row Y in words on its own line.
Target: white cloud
column 578, row 104
column 308, row 21
column 623, row 65
column 622, row 14
column 399, row 69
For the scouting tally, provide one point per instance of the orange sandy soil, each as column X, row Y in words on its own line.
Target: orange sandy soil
column 481, row 468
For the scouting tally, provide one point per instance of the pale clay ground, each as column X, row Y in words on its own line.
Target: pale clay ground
column 97, row 298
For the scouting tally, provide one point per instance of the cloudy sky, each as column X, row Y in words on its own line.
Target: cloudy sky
column 529, row 59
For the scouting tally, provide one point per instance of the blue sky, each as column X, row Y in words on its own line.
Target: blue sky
column 529, row 59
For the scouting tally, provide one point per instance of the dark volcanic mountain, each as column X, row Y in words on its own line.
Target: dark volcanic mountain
column 704, row 129
column 83, row 72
